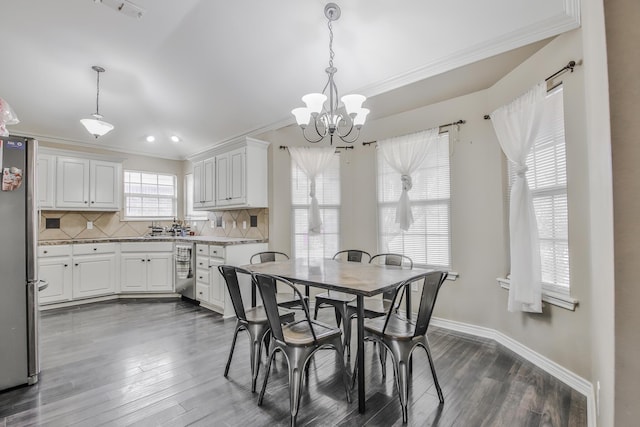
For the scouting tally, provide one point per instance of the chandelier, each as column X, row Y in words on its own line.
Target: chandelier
column 96, row 126
column 329, row 119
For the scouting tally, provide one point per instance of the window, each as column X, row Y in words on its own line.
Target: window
column 325, row 244
column 149, row 195
column 189, row 213
column 427, row 242
column 547, row 177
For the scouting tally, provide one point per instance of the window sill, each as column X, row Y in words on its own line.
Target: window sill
column 553, row 298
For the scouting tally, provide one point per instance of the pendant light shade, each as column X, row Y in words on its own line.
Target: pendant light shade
column 96, row 126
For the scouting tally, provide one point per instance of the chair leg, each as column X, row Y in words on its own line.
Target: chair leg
column 233, row 346
column 295, row 382
column 272, row 354
column 315, row 310
column 403, row 387
column 256, row 353
column 337, row 344
column 433, row 372
column 382, row 353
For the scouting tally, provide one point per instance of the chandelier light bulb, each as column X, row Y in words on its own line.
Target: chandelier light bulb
column 175, row 138
column 151, row 138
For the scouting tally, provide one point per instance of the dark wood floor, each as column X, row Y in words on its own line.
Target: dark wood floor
column 149, row 363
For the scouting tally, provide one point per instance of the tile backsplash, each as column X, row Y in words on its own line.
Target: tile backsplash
column 73, row 225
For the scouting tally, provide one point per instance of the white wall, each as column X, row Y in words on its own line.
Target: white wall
column 478, row 214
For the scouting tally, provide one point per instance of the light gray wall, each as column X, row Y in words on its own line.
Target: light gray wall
column 478, row 214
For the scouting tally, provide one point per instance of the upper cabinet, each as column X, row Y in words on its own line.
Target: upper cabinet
column 78, row 183
column 239, row 178
column 204, row 180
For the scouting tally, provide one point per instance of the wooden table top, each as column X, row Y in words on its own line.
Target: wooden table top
column 350, row 277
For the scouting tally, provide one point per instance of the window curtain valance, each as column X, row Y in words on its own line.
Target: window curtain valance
column 516, row 125
column 405, row 154
column 313, row 162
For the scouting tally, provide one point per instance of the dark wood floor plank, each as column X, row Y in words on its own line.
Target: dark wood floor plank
column 158, row 362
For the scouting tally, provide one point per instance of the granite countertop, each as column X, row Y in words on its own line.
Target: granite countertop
column 223, row 241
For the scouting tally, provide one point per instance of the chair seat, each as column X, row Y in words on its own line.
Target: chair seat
column 299, row 333
column 335, row 296
column 398, row 327
column 373, row 307
column 259, row 315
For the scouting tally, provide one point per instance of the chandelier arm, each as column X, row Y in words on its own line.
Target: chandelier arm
column 320, row 136
column 356, row 136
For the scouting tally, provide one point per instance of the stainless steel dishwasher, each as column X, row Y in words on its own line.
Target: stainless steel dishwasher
column 185, row 280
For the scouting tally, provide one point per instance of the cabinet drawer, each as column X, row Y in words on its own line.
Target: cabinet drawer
column 202, row 292
column 94, row 248
column 202, row 249
column 216, row 251
column 146, row 247
column 54, row 250
column 202, row 276
column 202, row 262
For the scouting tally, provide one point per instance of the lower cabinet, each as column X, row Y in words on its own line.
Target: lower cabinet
column 55, row 267
column 94, row 269
column 146, row 271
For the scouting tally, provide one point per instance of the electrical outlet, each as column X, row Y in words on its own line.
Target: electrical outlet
column 212, row 224
column 234, row 224
column 244, row 225
column 89, row 225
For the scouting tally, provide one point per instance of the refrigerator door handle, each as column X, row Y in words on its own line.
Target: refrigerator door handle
column 42, row 285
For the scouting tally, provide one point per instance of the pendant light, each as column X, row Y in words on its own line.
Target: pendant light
column 96, row 126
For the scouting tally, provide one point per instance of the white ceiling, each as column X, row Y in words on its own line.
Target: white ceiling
column 209, row 71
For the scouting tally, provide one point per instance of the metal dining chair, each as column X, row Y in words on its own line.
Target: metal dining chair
column 285, row 299
column 253, row 320
column 401, row 335
column 340, row 300
column 376, row 306
column 299, row 340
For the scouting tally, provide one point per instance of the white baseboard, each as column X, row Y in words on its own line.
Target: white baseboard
column 568, row 377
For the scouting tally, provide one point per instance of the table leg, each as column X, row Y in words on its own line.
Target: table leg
column 360, row 361
column 253, row 294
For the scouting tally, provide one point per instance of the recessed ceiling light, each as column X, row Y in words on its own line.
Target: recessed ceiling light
column 175, row 138
column 151, row 138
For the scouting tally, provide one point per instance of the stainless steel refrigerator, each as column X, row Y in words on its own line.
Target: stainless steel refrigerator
column 19, row 283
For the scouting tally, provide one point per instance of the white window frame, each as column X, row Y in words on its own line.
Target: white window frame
column 303, row 183
column 173, row 197
column 416, row 204
column 552, row 292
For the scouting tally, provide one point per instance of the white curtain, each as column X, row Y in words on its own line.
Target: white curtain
column 313, row 162
column 405, row 154
column 516, row 125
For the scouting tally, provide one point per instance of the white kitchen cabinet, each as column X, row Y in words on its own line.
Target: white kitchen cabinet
column 240, row 178
column 86, row 184
column 94, row 270
column 146, row 267
column 46, row 181
column 54, row 267
column 204, row 179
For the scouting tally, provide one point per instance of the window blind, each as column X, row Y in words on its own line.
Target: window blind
column 428, row 240
column 149, row 195
column 325, row 244
column 547, row 177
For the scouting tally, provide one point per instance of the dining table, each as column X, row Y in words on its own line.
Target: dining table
column 361, row 280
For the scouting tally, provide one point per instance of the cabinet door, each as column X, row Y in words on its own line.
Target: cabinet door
column 222, row 180
column 72, row 183
column 94, row 275
column 237, row 176
column 160, row 272
column 133, row 272
column 105, row 185
column 216, row 283
column 209, row 182
column 46, row 181
column 198, row 197
column 57, row 272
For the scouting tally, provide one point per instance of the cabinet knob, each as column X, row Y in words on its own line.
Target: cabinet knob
column 148, row 260
column 142, row 260
column 85, row 202
column 46, row 252
column 76, row 264
column 66, row 265
column 95, row 249
column 200, row 278
column 92, row 201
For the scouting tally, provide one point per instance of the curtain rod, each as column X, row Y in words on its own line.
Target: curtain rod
column 459, row 122
column 345, row 147
column 569, row 67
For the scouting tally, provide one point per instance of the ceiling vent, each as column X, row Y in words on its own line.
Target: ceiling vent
column 123, row 6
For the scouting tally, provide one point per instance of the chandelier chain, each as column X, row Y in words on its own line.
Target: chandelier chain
column 98, row 93
column 331, row 53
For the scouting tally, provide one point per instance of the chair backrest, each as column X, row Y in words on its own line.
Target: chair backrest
column 230, row 274
column 353, row 255
column 398, row 260
column 431, row 283
column 267, row 285
column 267, row 256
